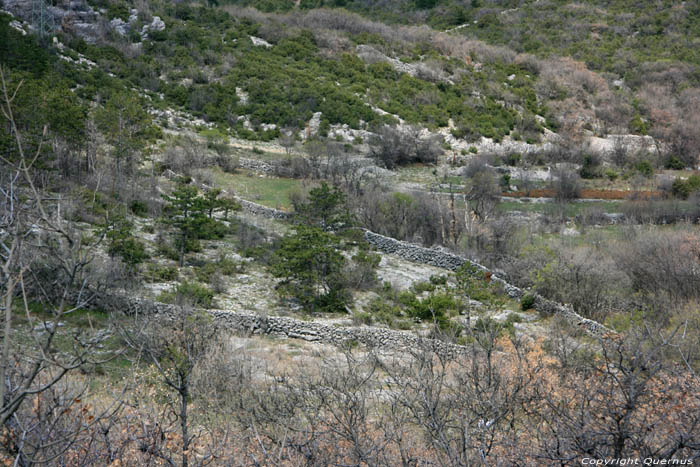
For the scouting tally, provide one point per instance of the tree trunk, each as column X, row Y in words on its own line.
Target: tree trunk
column 183, row 241
column 6, row 338
column 453, row 217
column 183, row 422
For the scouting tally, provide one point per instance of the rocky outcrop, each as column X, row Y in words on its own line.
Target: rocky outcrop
column 371, row 55
column 124, row 27
column 71, row 16
column 258, row 42
column 156, row 25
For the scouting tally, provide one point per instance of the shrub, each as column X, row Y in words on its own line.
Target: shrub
column 362, row 271
column 139, row 208
column 513, row 159
column 566, row 186
column 476, row 285
column 437, row 307
column 311, row 268
column 684, row 188
column 394, row 147
column 124, row 245
column 527, row 302
column 674, row 163
column 156, row 273
column 589, row 169
column 505, row 181
column 191, row 293
column 167, row 250
column 438, row 280
column 645, row 168
column 385, row 312
column 420, row 287
column 222, row 265
column 362, row 318
column 611, row 175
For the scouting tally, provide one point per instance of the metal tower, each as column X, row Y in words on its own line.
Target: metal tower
column 42, row 19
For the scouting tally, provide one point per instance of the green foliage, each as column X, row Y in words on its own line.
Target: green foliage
column 513, row 159
column 138, row 208
column 363, row 273
column 290, row 81
column 505, row 181
column 625, row 321
column 122, row 243
column 190, row 293
column 21, row 52
column 490, row 327
column 639, row 126
column 590, row 167
column 438, row 280
column 426, row 4
column 189, row 212
column 674, row 163
column 222, row 265
column 386, row 312
column 157, row 273
column 684, row 188
column 311, row 267
column 362, row 317
column 420, row 287
column 645, row 168
column 436, row 307
column 476, row 284
column 125, row 124
column 325, row 208
column 166, row 249
column 44, row 101
column 611, row 174
column 527, row 302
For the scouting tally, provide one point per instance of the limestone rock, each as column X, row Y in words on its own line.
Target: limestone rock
column 258, row 42
column 120, row 26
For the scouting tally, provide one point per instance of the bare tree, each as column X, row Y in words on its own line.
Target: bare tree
column 287, row 140
column 483, row 194
column 45, row 261
column 625, row 402
column 398, row 146
column 566, row 185
column 174, row 344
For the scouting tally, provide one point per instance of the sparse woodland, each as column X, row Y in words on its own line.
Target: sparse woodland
column 229, row 157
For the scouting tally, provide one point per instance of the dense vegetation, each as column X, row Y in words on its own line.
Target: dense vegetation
column 295, row 77
column 105, row 193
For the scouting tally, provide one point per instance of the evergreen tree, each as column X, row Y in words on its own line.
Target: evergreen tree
column 311, row 269
column 186, row 213
column 325, row 208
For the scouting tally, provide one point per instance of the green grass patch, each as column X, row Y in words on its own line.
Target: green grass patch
column 269, row 191
column 569, row 209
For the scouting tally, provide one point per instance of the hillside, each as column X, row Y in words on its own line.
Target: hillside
column 349, row 232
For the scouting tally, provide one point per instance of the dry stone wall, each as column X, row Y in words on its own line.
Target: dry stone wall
column 446, row 260
column 257, row 165
column 260, row 210
column 372, row 337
